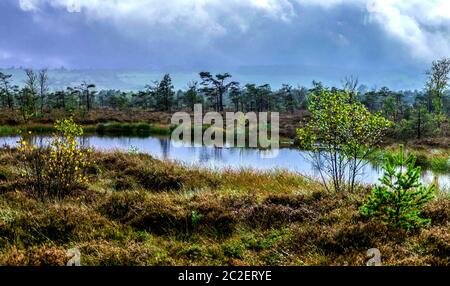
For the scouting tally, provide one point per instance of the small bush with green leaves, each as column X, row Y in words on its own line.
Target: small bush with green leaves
column 401, row 196
column 341, row 134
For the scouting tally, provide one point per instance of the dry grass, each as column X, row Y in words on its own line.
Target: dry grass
column 141, row 211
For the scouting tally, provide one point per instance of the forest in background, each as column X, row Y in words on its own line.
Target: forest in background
column 416, row 114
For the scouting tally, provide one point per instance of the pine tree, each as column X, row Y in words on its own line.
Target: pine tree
column 164, row 93
column 5, row 91
column 401, row 195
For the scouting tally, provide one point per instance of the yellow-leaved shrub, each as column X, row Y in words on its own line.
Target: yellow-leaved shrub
column 59, row 166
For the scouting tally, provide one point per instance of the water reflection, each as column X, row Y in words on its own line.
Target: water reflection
column 218, row 158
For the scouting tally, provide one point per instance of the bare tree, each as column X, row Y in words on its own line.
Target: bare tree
column 87, row 94
column 351, row 84
column 31, row 80
column 31, row 85
column 43, row 87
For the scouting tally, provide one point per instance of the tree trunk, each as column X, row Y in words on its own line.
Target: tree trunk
column 418, row 124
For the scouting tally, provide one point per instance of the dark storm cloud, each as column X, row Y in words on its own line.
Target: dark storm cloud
column 265, row 41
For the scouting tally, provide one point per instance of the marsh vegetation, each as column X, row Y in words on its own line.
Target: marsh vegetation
column 136, row 210
column 131, row 208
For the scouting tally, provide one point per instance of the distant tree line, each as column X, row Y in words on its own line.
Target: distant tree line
column 215, row 92
column 416, row 113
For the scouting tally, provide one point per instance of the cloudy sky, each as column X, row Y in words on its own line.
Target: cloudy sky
column 383, row 42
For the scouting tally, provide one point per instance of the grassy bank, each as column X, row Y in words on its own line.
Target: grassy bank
column 288, row 121
column 132, row 129
column 118, row 128
column 103, row 128
column 434, row 159
column 39, row 129
column 136, row 210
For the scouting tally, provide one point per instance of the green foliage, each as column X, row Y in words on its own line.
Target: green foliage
column 6, row 92
column 436, row 87
column 130, row 129
column 401, row 196
column 214, row 87
column 36, row 102
column 420, row 124
column 437, row 83
column 341, row 133
column 27, row 103
column 163, row 93
column 196, row 217
column 234, row 249
column 441, row 165
column 191, row 96
column 7, row 130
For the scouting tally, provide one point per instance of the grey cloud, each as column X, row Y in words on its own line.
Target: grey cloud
column 266, row 41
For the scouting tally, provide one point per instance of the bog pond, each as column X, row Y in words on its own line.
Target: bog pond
column 163, row 147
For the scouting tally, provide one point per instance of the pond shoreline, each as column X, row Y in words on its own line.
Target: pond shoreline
column 430, row 157
column 195, row 155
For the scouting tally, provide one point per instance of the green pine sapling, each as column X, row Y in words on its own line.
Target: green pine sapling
column 401, row 195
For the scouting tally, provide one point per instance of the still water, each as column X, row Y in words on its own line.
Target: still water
column 163, row 147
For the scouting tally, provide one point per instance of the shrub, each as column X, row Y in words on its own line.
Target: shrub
column 109, row 253
column 191, row 252
column 162, row 217
column 5, row 173
column 437, row 240
column 278, row 211
column 47, row 256
column 234, row 249
column 58, row 223
column 163, row 177
column 401, row 196
column 155, row 214
column 211, row 217
column 54, row 170
column 156, row 178
column 122, row 183
column 196, row 218
column 44, row 255
column 340, row 135
column 440, row 164
column 438, row 211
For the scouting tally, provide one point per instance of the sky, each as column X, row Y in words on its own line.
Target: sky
column 382, row 42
